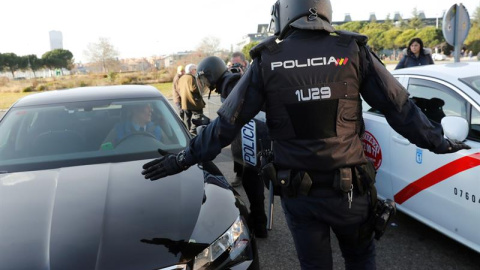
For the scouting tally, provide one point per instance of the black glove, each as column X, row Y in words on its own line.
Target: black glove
column 169, row 164
column 453, row 147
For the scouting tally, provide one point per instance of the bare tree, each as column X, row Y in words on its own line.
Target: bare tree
column 103, row 54
column 209, row 45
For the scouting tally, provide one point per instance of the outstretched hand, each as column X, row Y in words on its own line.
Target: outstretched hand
column 161, row 167
column 457, row 146
column 453, row 146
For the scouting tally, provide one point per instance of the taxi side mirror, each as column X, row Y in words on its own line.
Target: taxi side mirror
column 455, row 127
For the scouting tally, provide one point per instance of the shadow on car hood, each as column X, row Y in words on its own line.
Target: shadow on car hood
column 107, row 216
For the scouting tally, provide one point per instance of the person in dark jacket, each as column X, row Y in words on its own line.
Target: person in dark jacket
column 311, row 78
column 415, row 55
column 138, row 120
column 239, row 63
column 212, row 73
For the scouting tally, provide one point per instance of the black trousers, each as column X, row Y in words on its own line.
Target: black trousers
column 188, row 115
column 310, row 219
column 254, row 188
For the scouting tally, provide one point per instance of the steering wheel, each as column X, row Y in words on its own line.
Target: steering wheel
column 141, row 133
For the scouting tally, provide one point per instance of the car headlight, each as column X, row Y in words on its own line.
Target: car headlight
column 232, row 243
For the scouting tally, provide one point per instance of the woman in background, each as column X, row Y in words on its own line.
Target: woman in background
column 415, row 55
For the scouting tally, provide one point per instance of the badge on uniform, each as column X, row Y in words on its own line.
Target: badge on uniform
column 249, row 143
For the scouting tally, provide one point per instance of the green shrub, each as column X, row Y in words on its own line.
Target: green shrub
column 112, row 75
column 42, row 88
column 165, row 77
column 28, row 89
column 126, row 80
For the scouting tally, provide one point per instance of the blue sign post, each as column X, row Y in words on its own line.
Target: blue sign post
column 456, row 24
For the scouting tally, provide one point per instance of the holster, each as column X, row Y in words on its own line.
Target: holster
column 269, row 174
column 365, row 178
column 343, row 180
column 293, row 183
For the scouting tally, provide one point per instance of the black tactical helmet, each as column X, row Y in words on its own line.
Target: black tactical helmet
column 303, row 14
column 209, row 71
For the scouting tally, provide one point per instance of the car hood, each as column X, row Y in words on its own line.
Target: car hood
column 107, row 216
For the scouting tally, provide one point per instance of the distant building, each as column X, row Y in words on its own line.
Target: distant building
column 262, row 33
column 56, row 40
column 421, row 15
column 348, row 18
column 397, row 17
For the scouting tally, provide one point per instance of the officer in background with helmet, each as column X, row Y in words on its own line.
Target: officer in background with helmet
column 212, row 73
column 310, row 77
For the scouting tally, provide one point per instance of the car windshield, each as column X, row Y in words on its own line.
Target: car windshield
column 54, row 136
column 473, row 82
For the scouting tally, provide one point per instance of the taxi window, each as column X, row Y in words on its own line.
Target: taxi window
column 474, row 133
column 436, row 100
column 367, row 108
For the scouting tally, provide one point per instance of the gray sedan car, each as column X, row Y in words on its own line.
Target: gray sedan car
column 72, row 195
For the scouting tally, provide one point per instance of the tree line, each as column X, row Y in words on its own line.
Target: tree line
column 389, row 35
column 54, row 59
column 382, row 36
column 394, row 36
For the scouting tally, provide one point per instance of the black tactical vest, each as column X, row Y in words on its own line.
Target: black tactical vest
column 313, row 105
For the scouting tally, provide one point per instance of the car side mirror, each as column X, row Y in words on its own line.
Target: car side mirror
column 455, row 127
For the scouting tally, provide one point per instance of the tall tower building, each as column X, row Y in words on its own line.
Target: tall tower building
column 56, row 40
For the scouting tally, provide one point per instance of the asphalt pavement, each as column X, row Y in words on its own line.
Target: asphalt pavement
column 407, row 244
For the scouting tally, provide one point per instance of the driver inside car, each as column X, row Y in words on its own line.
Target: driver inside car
column 138, row 121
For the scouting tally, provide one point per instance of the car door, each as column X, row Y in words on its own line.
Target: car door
column 377, row 143
column 443, row 191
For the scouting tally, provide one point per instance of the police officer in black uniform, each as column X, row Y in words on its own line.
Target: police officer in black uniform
column 212, row 73
column 309, row 73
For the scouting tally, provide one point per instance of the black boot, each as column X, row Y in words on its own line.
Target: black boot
column 254, row 188
column 259, row 224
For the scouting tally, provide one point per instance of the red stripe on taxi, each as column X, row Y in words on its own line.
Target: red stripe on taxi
column 437, row 176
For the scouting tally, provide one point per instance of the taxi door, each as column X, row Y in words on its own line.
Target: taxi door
column 376, row 144
column 442, row 191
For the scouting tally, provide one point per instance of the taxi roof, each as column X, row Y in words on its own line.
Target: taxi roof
column 448, row 72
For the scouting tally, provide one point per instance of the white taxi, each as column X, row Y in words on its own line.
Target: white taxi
column 442, row 191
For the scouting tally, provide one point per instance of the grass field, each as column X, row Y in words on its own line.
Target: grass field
column 12, row 90
column 8, row 98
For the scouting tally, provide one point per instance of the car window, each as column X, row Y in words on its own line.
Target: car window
column 89, row 132
column 472, row 82
column 436, row 100
column 367, row 108
column 474, row 133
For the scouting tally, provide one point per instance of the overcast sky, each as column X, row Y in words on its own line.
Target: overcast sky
column 144, row 28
